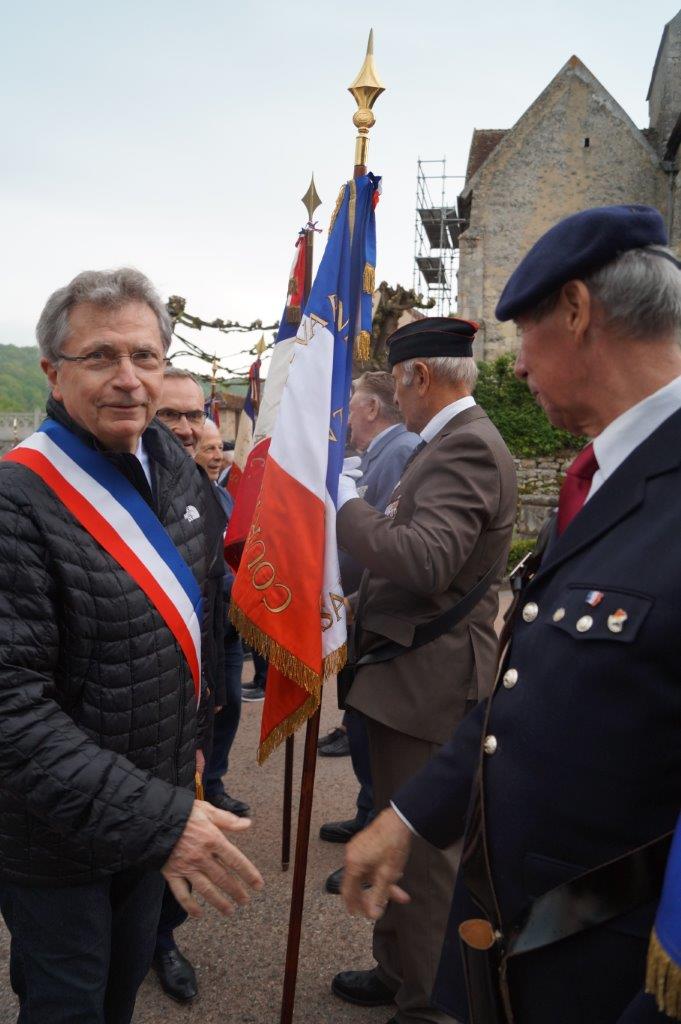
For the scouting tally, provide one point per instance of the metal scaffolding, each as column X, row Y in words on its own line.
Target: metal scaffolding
column 436, row 233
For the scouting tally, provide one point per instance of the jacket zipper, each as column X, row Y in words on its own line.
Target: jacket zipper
column 180, row 715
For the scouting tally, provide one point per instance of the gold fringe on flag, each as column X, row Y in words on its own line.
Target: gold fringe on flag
column 339, row 203
column 293, row 315
column 663, row 979
column 282, row 659
column 335, row 661
column 352, row 206
column 287, row 728
column 369, row 282
column 363, row 346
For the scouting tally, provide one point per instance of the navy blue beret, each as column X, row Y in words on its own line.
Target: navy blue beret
column 575, row 248
column 431, row 336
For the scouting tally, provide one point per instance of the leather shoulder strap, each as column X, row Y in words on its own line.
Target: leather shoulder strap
column 594, row 897
column 442, row 624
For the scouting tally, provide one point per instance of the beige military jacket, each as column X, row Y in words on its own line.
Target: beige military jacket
column 448, row 520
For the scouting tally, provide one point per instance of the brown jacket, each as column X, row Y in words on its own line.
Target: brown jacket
column 453, row 515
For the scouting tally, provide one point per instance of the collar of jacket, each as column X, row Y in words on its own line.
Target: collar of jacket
column 461, row 419
column 621, row 493
column 396, row 431
column 161, row 444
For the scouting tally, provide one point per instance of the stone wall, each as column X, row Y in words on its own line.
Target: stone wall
column 15, row 426
column 664, row 97
column 539, row 483
column 574, row 148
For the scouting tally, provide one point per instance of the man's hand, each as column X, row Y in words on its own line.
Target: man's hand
column 200, row 761
column 376, row 856
column 205, row 862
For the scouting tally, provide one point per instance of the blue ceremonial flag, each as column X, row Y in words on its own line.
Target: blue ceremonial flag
column 663, row 978
column 287, row 597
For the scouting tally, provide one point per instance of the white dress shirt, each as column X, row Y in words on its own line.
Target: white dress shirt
column 143, row 455
column 619, row 439
column 444, row 416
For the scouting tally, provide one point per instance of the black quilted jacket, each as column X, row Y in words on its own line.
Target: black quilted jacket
column 97, row 705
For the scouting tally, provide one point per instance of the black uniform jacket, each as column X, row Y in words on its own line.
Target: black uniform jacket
column 587, row 759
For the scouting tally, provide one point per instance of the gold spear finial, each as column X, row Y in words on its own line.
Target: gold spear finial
column 366, row 89
column 311, row 200
column 261, row 346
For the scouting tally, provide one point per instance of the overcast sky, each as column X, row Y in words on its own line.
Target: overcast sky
column 179, row 138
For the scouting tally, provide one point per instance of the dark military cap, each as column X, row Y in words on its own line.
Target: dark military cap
column 432, row 336
column 575, row 248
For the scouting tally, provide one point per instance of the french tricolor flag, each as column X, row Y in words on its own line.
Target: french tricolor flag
column 287, row 599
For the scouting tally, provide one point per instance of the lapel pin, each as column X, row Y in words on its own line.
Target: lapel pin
column 616, row 620
column 594, row 598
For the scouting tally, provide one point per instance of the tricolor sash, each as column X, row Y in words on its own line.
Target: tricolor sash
column 112, row 511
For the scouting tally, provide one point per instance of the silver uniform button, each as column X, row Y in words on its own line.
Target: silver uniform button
column 558, row 614
column 584, row 624
column 530, row 611
column 490, row 744
column 510, row 678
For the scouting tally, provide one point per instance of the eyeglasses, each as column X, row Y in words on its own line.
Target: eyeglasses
column 196, row 416
column 145, row 359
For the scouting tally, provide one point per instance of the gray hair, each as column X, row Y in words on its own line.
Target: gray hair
column 380, row 385
column 109, row 289
column 178, row 372
column 639, row 293
column 448, row 369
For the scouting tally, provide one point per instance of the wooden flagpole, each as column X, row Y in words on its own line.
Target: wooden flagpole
column 366, row 89
column 310, row 201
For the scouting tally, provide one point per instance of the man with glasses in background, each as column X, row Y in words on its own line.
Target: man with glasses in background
column 181, row 409
column 103, row 566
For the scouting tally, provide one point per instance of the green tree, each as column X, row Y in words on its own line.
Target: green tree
column 511, row 407
column 23, row 385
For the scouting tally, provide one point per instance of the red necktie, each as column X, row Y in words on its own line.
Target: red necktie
column 576, row 486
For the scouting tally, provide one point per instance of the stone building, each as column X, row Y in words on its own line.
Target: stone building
column 574, row 147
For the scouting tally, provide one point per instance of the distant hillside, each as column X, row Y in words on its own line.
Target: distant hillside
column 23, row 385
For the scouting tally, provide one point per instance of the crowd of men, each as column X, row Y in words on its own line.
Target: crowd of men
column 516, row 798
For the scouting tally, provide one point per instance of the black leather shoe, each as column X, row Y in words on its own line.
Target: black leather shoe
column 225, row 802
column 176, row 975
column 339, row 831
column 331, row 737
column 339, row 747
column 333, row 882
column 363, row 988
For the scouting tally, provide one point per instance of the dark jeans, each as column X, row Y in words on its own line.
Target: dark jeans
column 171, row 917
column 358, row 739
column 260, row 666
column 226, row 721
column 79, row 953
column 225, row 724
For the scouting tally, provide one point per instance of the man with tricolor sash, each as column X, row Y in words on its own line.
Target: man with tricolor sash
column 103, row 562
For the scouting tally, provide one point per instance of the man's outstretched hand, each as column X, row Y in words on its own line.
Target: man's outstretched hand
column 205, row 863
column 376, row 857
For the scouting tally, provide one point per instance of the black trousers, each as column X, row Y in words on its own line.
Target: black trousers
column 79, row 953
